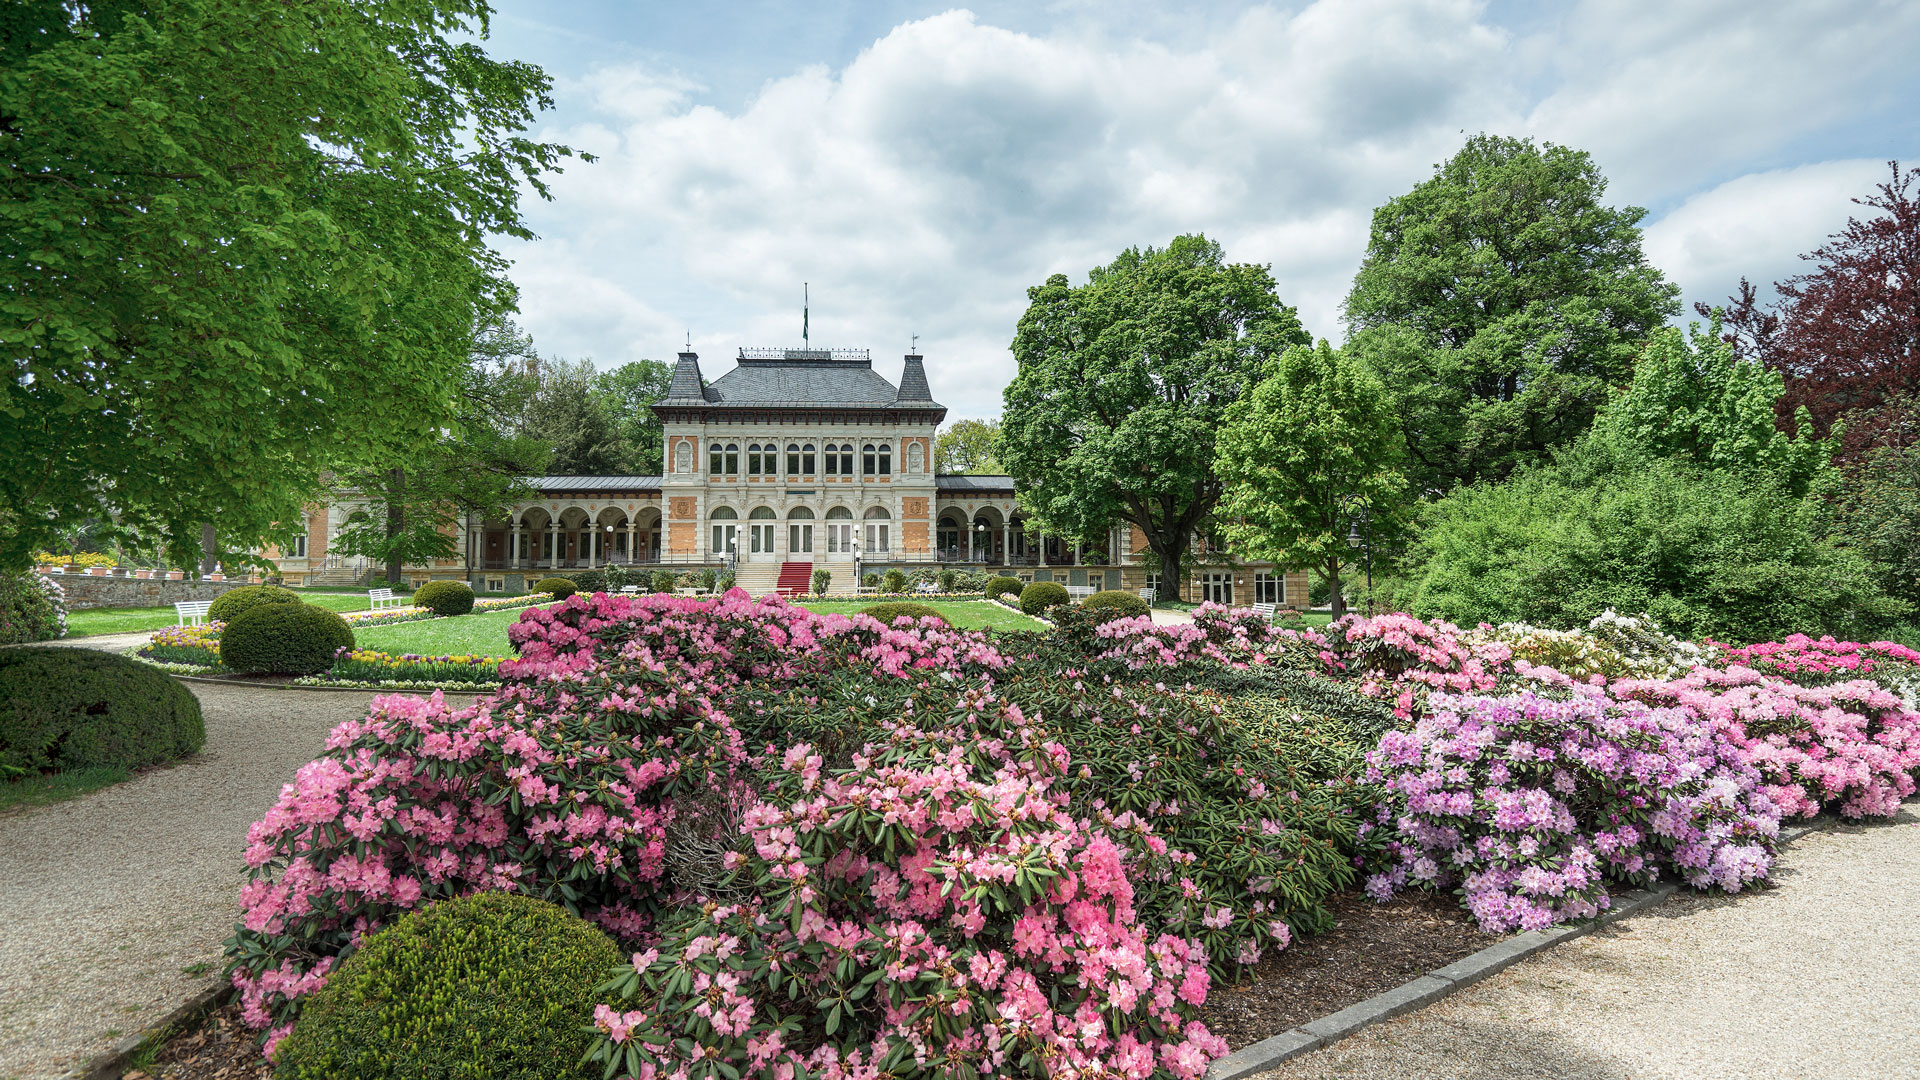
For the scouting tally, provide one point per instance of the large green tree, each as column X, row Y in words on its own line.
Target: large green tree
column 242, row 243
column 1123, row 383
column 1315, row 445
column 573, row 419
column 1877, row 513
column 968, row 446
column 627, row 394
column 410, row 509
column 1500, row 300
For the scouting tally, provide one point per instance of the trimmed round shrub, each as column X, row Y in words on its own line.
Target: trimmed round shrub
column 871, row 581
column 445, row 597
column 822, row 581
column 64, row 708
column 1110, row 604
column 284, row 639
column 892, row 610
column 1038, row 597
column 945, row 579
column 493, row 985
column 894, row 581
column 1001, row 586
column 233, row 603
column 662, row 581
column 560, row 587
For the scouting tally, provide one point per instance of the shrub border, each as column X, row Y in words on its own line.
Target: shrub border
column 1313, row 1035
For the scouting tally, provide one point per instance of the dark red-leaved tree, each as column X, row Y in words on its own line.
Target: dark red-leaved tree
column 1847, row 335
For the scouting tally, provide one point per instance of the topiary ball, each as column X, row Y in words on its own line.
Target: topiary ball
column 64, row 708
column 284, row 639
column 888, row 612
column 445, row 597
column 1001, row 586
column 231, row 604
column 1036, row 598
column 895, row 581
column 560, row 587
column 493, row 985
column 1111, row 604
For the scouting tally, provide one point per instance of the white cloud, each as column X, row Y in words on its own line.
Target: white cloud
column 1756, row 227
column 925, row 184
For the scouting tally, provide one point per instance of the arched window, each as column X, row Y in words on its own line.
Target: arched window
column 839, row 529
column 886, row 459
column 733, row 459
column 753, row 459
column 793, row 460
column 948, row 536
column 831, row 466
column 726, row 531
column 846, row 459
column 877, row 540
column 867, row 460
column 716, row 458
column 760, row 530
column 806, row 460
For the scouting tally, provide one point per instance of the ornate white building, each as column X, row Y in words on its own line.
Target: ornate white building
column 795, row 460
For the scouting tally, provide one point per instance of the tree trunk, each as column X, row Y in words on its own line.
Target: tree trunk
column 209, row 548
column 396, row 522
column 1169, row 574
column 1334, row 595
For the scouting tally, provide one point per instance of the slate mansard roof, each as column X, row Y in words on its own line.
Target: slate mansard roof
column 801, row 379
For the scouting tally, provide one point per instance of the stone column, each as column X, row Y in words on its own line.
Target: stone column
column 633, row 541
column 553, row 558
column 1006, row 543
column 593, row 541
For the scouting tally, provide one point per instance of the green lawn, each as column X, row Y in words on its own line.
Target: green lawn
column 961, row 614
column 53, row 787
column 128, row 620
column 484, row 634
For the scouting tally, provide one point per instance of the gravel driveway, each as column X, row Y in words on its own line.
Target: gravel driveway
column 108, row 901
column 1817, row 978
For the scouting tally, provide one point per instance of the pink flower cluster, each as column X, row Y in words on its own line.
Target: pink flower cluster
column 1534, row 807
column 1401, row 659
column 933, row 915
column 1813, row 661
column 1851, row 744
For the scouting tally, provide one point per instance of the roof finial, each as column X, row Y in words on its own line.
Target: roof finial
column 915, row 347
column 689, row 339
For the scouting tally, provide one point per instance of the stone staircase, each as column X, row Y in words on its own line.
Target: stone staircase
column 796, row 579
column 339, row 578
column 758, row 579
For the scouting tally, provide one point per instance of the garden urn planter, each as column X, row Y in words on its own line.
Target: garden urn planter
column 176, row 575
column 98, row 571
column 143, row 574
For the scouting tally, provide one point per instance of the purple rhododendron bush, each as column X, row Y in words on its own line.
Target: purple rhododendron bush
column 836, row 847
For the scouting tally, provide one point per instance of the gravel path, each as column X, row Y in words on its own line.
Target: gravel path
column 1817, row 978
column 109, row 900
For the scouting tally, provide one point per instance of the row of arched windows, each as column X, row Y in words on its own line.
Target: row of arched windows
column 836, row 459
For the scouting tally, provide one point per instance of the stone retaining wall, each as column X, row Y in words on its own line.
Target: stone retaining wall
column 92, row 591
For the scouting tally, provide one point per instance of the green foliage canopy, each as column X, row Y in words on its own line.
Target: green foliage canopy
column 627, row 394
column 1500, row 300
column 1313, row 444
column 1697, row 401
column 1123, row 383
column 1877, row 513
column 967, row 446
column 226, row 229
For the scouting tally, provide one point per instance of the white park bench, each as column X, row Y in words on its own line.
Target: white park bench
column 192, row 612
column 1077, row 593
column 1147, row 595
column 1265, row 611
column 866, row 590
column 379, row 598
column 926, row 587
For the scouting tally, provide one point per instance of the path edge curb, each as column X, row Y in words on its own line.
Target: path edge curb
column 1426, row 989
column 111, row 1064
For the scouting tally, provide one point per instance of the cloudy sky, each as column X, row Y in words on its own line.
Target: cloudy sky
column 921, row 166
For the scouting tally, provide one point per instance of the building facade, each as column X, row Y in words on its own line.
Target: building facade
column 795, row 460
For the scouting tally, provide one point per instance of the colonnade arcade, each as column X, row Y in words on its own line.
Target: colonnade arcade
column 578, row 535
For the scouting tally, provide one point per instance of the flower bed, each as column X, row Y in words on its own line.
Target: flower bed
column 388, row 615
column 368, row 667
column 193, row 646
column 843, row 848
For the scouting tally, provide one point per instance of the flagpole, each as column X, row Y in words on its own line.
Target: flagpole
column 805, row 341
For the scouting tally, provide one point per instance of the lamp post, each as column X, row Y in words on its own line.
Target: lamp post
column 1360, row 518
column 979, row 540
column 857, row 582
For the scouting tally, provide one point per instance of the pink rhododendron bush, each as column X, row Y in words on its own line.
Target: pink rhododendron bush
column 834, row 845
column 1535, row 809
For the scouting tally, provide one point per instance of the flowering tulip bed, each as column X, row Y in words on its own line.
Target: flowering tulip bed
column 195, row 645
column 368, row 667
column 840, row 848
